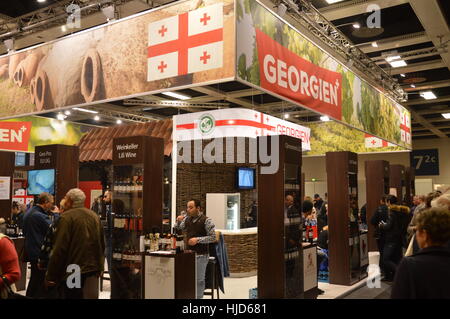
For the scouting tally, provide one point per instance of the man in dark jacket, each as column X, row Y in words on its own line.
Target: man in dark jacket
column 35, row 226
column 380, row 216
column 395, row 230
column 426, row 274
column 79, row 241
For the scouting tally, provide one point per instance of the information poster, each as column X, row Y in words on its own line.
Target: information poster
column 5, row 187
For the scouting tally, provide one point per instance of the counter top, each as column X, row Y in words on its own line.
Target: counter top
column 243, row 231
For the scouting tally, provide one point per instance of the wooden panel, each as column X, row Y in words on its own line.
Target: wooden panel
column 377, row 184
column 7, row 162
column 185, row 283
column 270, row 240
column 410, row 177
column 397, row 180
column 153, row 183
column 338, row 206
column 272, row 275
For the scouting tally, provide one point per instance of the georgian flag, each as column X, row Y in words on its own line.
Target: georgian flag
column 188, row 43
column 405, row 128
column 375, row 142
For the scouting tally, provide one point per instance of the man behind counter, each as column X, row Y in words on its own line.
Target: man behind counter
column 200, row 231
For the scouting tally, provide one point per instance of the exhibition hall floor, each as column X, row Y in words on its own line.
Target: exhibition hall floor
column 238, row 288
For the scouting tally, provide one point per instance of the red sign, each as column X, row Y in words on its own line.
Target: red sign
column 289, row 75
column 14, row 136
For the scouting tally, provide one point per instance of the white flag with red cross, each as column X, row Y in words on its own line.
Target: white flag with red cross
column 405, row 128
column 187, row 43
column 375, row 142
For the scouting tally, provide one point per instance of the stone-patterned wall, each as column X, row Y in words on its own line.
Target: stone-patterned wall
column 195, row 180
column 242, row 252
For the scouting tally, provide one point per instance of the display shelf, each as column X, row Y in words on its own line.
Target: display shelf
column 136, row 210
column 280, row 253
column 344, row 242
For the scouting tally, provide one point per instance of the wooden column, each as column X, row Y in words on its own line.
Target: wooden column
column 397, row 181
column 64, row 159
column 7, row 170
column 410, row 178
column 280, row 251
column 342, row 168
column 377, row 185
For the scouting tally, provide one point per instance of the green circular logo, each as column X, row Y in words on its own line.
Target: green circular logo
column 207, row 124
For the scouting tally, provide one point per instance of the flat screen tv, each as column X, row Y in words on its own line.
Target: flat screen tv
column 42, row 180
column 245, row 177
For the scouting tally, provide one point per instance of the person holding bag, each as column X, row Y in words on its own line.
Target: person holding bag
column 9, row 267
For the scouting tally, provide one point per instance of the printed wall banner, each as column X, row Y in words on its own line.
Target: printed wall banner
column 334, row 136
column 189, row 42
column 236, row 122
column 39, row 131
column 276, row 57
column 15, row 136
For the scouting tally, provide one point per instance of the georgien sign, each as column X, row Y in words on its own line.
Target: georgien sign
column 287, row 74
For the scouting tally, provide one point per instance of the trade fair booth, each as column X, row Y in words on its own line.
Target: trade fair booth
column 221, row 155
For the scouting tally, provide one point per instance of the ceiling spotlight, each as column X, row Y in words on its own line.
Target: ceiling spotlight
column 375, row 44
column 67, row 113
column 41, row 1
column 63, row 28
column 60, row 117
column 356, row 25
column 393, row 58
column 402, row 75
column 109, row 12
column 446, row 115
column 333, row 1
column 119, row 122
column 324, row 118
column 428, row 95
column 286, row 115
column 413, row 86
column 177, row 95
column 96, row 118
column 398, row 64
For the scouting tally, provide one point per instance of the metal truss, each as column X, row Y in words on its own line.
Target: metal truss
column 309, row 17
column 51, row 16
column 178, row 104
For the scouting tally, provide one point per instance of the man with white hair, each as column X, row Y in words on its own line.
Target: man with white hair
column 442, row 201
column 78, row 242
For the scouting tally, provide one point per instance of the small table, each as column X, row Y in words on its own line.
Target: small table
column 169, row 275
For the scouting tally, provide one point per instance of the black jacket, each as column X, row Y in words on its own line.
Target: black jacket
column 396, row 227
column 381, row 214
column 425, row 275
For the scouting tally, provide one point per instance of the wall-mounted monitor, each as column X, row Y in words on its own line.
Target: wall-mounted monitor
column 42, row 180
column 245, row 178
column 20, row 159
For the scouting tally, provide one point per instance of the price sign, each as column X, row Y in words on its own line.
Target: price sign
column 426, row 162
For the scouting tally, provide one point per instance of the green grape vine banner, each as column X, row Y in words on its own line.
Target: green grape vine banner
column 273, row 55
column 23, row 134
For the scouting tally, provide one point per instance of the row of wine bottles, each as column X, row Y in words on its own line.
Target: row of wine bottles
column 128, row 222
column 13, row 230
column 128, row 184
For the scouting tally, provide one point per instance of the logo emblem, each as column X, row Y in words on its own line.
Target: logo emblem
column 207, row 124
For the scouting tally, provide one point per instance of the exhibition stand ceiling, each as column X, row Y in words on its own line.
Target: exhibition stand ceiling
column 236, row 82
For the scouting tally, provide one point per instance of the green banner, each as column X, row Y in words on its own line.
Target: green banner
column 273, row 55
column 45, row 131
column 334, row 136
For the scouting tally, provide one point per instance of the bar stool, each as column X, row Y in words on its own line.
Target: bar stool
column 212, row 263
